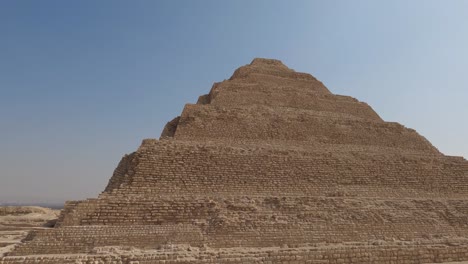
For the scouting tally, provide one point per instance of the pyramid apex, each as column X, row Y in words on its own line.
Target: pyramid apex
column 266, row 61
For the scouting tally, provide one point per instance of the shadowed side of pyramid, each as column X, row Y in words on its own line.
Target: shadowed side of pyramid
column 271, row 160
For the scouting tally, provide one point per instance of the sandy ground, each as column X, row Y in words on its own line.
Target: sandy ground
column 17, row 221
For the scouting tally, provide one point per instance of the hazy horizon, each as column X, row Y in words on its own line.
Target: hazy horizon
column 82, row 83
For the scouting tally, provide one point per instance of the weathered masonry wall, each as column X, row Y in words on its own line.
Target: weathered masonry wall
column 204, row 122
column 355, row 254
column 267, row 221
column 237, row 94
column 170, row 128
column 170, row 167
column 73, row 240
column 123, row 172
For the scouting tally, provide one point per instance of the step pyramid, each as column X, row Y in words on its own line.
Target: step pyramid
column 270, row 167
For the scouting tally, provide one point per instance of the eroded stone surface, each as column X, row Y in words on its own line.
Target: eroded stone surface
column 270, row 167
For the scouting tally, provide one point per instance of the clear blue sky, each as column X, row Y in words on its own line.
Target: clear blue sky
column 83, row 82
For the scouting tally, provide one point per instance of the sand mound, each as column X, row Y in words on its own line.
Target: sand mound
column 23, row 210
column 27, row 216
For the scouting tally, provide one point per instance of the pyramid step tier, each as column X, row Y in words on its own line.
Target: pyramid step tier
column 235, row 94
column 206, row 122
column 171, row 167
column 267, row 221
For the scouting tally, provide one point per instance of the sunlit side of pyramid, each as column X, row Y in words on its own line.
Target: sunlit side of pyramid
column 270, row 167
